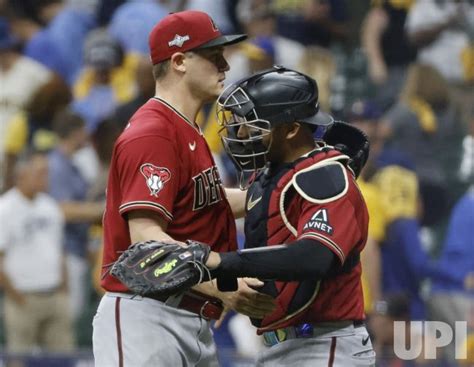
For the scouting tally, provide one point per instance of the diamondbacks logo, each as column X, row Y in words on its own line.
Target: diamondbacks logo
column 178, row 40
column 155, row 177
column 320, row 222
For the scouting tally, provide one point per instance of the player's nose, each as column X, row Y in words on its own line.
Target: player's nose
column 222, row 64
column 243, row 132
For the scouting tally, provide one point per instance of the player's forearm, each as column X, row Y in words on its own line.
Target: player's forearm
column 304, row 259
column 147, row 226
column 82, row 211
column 373, row 27
column 236, row 198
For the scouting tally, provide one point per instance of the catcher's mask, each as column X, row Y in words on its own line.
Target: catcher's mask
column 248, row 109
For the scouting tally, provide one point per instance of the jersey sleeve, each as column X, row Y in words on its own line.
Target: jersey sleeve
column 333, row 224
column 149, row 175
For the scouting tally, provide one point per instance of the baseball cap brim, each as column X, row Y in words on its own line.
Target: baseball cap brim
column 223, row 41
column 320, row 119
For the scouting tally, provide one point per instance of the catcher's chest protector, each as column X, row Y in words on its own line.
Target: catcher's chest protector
column 265, row 225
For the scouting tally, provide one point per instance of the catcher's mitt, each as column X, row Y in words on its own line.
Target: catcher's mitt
column 351, row 141
column 155, row 268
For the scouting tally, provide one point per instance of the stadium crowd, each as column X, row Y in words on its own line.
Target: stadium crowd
column 72, row 73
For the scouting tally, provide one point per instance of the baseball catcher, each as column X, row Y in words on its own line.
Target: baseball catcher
column 306, row 220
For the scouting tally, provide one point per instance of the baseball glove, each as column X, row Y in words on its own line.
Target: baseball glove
column 155, row 268
column 351, row 141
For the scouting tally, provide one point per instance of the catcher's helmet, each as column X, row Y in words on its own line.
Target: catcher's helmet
column 260, row 102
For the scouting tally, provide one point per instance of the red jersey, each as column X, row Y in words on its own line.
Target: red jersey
column 161, row 162
column 285, row 214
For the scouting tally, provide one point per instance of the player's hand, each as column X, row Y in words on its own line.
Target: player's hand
column 248, row 301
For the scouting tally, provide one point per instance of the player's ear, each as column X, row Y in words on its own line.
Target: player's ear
column 293, row 130
column 177, row 62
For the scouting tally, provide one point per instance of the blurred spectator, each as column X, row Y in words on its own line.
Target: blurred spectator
column 387, row 48
column 395, row 262
column 59, row 44
column 69, row 188
column 423, row 125
column 88, row 5
column 217, row 10
column 405, row 264
column 392, row 200
column 365, row 115
column 443, row 30
column 319, row 63
column 106, row 9
column 312, row 22
column 32, row 269
column 466, row 169
column 106, row 81
column 260, row 22
column 32, row 127
column 393, row 308
column 103, row 140
column 264, row 47
column 132, row 22
column 40, row 12
column 450, row 301
column 145, row 90
column 20, row 77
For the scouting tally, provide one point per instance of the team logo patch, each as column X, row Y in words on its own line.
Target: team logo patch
column 155, row 177
column 178, row 40
column 320, row 222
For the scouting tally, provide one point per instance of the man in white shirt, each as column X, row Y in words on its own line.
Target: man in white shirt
column 32, row 270
column 443, row 31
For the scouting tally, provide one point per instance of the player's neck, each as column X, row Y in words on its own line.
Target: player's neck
column 180, row 99
column 26, row 191
column 298, row 147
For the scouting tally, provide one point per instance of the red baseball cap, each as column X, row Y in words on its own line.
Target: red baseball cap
column 185, row 31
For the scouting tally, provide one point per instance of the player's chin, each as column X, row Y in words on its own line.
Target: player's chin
column 217, row 90
column 211, row 96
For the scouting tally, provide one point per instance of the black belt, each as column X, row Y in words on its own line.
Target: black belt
column 306, row 330
column 203, row 305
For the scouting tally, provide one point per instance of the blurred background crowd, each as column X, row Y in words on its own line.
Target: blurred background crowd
column 72, row 72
